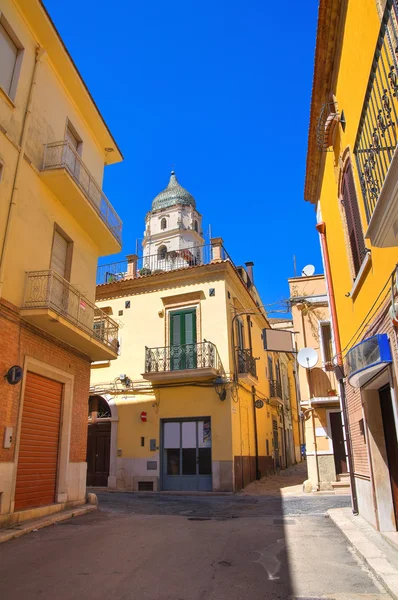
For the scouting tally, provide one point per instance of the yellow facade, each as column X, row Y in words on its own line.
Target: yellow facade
column 49, row 248
column 351, row 179
column 217, row 293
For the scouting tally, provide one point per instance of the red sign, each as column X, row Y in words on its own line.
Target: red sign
column 144, row 417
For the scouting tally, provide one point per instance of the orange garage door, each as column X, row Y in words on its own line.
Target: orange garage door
column 39, row 440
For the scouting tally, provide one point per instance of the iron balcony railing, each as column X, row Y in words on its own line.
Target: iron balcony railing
column 377, row 134
column 275, row 388
column 161, row 262
column 47, row 289
column 62, row 155
column 246, row 362
column 200, row 355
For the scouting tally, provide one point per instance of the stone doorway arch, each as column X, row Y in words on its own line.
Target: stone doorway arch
column 102, row 440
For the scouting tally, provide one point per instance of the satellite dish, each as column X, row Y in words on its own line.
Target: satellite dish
column 307, row 358
column 308, row 271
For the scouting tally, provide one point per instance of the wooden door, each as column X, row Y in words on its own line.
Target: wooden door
column 39, row 441
column 390, row 437
column 340, row 459
column 98, row 453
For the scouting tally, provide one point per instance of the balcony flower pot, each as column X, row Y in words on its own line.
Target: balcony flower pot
column 332, row 392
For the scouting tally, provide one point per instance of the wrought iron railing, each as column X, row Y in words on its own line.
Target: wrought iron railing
column 246, row 362
column 161, row 262
column 186, row 356
column 47, row 289
column 62, row 155
column 377, row 134
column 275, row 388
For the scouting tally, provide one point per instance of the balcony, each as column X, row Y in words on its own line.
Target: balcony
column 246, row 365
column 188, row 362
column 73, row 185
column 275, row 390
column 377, row 137
column 57, row 307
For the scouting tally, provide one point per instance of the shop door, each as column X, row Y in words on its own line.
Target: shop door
column 98, row 453
column 340, row 459
column 186, row 455
column 39, row 441
column 183, row 349
column 390, row 437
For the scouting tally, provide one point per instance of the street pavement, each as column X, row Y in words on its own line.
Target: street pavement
column 165, row 547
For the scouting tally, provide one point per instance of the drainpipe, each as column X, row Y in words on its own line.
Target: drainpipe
column 321, row 228
column 258, row 475
column 40, row 52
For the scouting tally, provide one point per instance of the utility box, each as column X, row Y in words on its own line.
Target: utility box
column 8, row 432
column 152, row 445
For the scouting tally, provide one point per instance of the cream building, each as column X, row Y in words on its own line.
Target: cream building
column 55, row 221
column 319, row 390
column 194, row 401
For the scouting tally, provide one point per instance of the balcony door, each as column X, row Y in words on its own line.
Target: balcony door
column 60, row 264
column 183, row 351
column 186, row 455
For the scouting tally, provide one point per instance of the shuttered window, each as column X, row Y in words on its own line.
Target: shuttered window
column 327, row 349
column 8, row 54
column 70, row 136
column 353, row 220
column 59, row 256
column 183, row 348
column 240, row 334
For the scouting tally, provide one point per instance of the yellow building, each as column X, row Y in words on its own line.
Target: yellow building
column 319, row 388
column 55, row 222
column 193, row 401
column 351, row 179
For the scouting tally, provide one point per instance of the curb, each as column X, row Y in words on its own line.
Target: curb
column 374, row 558
column 27, row 527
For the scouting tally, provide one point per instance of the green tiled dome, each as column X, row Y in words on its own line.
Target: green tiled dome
column 173, row 194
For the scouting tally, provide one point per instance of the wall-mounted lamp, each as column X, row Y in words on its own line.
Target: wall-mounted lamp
column 161, row 314
column 220, row 388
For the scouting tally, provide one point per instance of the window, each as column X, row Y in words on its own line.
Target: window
column 353, row 220
column 195, row 225
column 61, row 254
column 127, row 304
column 183, row 339
column 240, row 334
column 326, row 343
column 163, row 224
column 162, row 253
column 11, row 58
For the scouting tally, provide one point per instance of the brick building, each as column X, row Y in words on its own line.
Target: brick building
column 55, row 222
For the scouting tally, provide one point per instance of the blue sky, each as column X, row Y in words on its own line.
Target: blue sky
column 220, row 89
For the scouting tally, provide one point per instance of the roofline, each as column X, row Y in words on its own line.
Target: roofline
column 331, row 17
column 306, row 278
column 125, row 285
column 51, row 22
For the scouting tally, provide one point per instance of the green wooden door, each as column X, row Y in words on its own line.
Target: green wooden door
column 183, row 339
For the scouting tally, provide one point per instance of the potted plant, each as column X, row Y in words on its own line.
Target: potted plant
column 145, row 271
column 332, row 392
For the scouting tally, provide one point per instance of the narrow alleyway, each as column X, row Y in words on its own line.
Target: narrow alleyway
column 169, row 547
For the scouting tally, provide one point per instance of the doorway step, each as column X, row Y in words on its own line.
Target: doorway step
column 342, row 485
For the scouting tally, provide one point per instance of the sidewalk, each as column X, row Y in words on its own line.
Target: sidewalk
column 379, row 551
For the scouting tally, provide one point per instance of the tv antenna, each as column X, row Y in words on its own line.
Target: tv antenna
column 308, row 271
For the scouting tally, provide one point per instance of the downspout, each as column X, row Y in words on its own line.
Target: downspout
column 40, row 52
column 258, row 475
column 321, row 228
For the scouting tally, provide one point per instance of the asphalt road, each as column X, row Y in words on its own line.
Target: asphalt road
column 155, row 547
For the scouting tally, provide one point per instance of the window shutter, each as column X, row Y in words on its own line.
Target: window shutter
column 59, row 254
column 8, row 53
column 175, row 329
column 353, row 219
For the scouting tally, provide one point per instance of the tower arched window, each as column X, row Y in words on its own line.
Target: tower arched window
column 163, row 223
column 162, row 252
column 196, row 226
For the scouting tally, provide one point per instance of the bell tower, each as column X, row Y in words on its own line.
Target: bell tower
column 173, row 231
